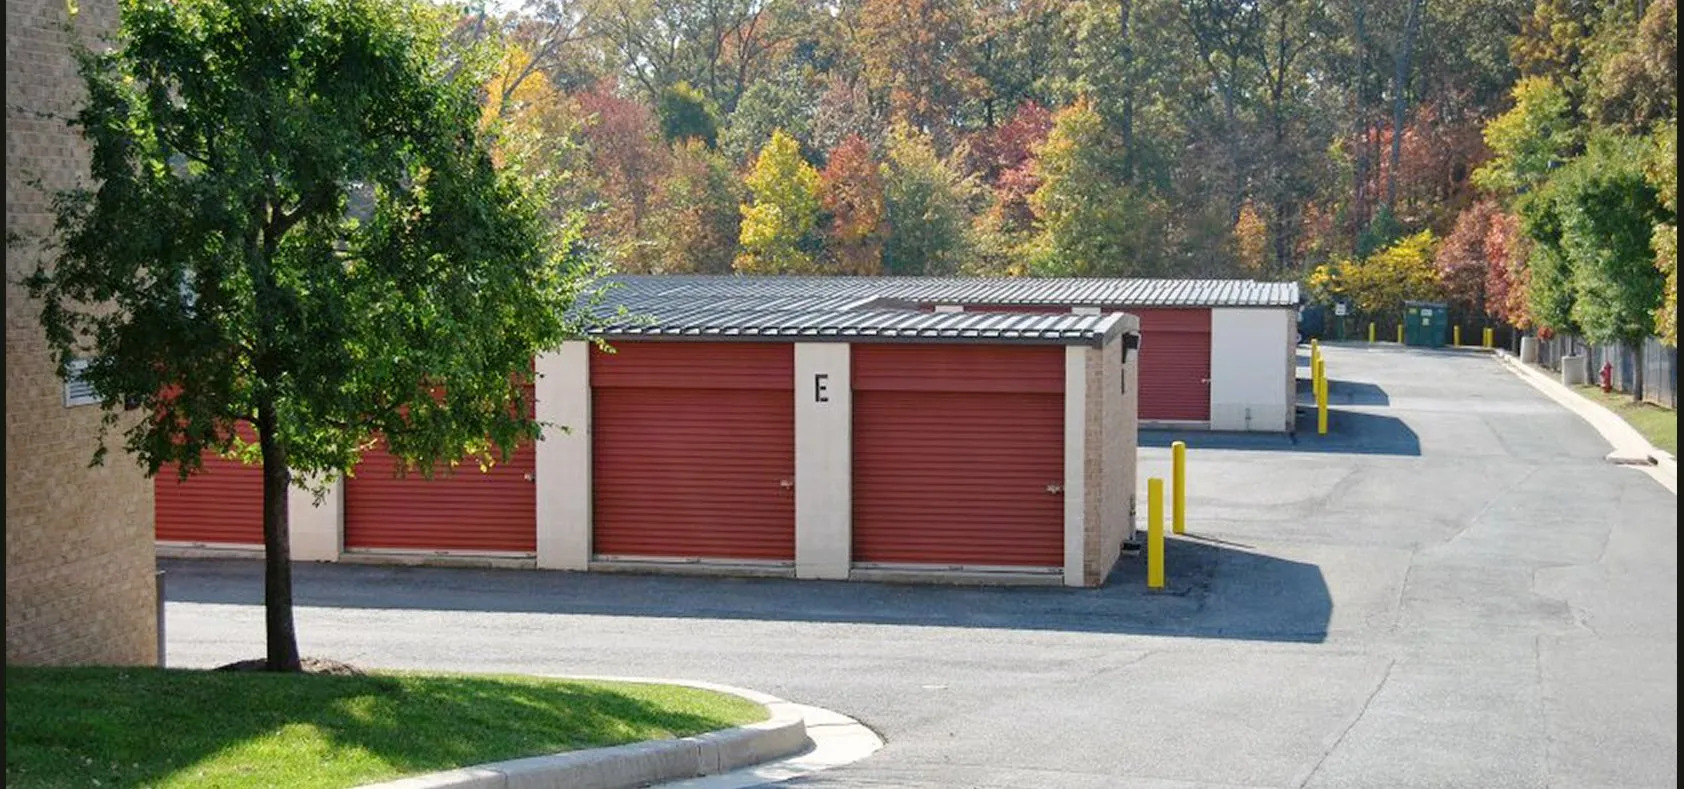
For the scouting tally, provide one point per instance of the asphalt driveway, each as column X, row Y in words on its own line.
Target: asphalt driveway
column 1451, row 589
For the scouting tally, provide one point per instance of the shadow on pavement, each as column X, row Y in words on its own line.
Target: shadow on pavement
column 1214, row 590
column 1344, row 393
column 1348, row 432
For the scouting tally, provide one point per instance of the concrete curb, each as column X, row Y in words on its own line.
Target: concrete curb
column 837, row 740
column 638, row 764
column 1630, row 447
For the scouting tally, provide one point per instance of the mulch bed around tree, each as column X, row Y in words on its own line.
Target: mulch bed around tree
column 311, row 665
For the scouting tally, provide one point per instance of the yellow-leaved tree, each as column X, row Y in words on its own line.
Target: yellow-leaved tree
column 1379, row 284
column 780, row 223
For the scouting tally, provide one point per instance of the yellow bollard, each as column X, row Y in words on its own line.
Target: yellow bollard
column 1155, row 533
column 1490, row 335
column 1400, row 334
column 1371, row 332
column 1321, row 400
column 1178, row 486
column 1455, row 335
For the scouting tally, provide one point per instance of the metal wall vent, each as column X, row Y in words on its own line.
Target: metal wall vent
column 78, row 391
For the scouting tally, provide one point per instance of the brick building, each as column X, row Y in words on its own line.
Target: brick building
column 79, row 544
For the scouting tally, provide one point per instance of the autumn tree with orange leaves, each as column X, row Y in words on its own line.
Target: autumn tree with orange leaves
column 851, row 190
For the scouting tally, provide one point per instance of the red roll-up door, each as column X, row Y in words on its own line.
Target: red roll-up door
column 1174, row 364
column 693, row 450
column 465, row 509
column 220, row 505
column 954, row 450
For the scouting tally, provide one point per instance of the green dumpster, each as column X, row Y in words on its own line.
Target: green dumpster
column 1426, row 323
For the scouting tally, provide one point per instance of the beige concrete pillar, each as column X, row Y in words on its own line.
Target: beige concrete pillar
column 824, row 513
column 1075, row 461
column 949, row 308
column 563, row 473
column 317, row 528
column 1085, row 310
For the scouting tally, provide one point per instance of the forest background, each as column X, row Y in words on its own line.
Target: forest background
column 1514, row 157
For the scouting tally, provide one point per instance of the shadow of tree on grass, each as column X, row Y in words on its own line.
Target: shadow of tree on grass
column 101, row 726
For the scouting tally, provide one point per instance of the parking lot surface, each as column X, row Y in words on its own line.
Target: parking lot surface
column 1453, row 588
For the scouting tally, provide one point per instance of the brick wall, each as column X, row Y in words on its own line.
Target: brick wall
column 79, row 555
column 1110, row 445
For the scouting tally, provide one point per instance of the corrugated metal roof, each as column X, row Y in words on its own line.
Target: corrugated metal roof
column 861, row 309
column 699, row 320
column 1096, row 292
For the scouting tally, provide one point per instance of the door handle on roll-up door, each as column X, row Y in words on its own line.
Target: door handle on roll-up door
column 786, row 483
column 1055, row 488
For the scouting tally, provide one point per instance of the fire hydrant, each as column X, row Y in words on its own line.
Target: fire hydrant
column 1607, row 375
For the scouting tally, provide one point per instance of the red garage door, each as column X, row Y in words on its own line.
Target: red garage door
column 693, row 450
column 464, row 510
column 955, row 448
column 1174, row 364
column 222, row 504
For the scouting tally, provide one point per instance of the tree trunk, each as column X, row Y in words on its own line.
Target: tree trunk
column 277, row 547
column 1125, row 56
column 1400, row 80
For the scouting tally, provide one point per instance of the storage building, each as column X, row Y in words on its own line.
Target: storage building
column 825, row 434
column 1215, row 353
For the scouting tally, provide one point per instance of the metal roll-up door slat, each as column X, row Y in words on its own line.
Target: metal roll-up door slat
column 958, row 477
column 693, row 451
column 1174, row 364
column 462, row 510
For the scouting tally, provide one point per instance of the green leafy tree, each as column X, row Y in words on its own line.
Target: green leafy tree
column 1593, row 266
column 1533, row 138
column 695, row 217
column 1549, row 282
column 779, row 229
column 212, row 272
column 925, row 198
column 782, row 103
column 1091, row 222
column 686, row 114
column 1608, row 214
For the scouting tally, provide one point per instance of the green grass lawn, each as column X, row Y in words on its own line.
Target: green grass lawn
column 1659, row 425
column 105, row 727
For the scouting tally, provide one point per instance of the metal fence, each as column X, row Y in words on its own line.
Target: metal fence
column 1660, row 365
